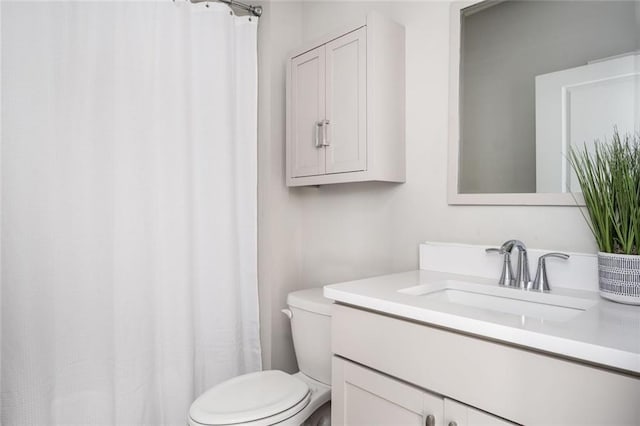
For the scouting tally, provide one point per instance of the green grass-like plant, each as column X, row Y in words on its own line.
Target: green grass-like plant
column 609, row 177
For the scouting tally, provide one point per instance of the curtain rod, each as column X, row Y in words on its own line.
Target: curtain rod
column 254, row 10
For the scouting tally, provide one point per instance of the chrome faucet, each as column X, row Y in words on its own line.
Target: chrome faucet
column 522, row 276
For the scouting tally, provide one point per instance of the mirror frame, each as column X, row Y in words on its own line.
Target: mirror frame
column 453, row 196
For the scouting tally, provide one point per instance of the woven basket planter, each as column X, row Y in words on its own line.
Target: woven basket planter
column 619, row 277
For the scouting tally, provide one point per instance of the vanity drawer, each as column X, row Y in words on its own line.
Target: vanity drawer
column 514, row 383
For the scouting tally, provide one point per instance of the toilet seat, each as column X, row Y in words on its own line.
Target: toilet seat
column 261, row 398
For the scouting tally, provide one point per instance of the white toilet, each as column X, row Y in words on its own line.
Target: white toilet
column 274, row 397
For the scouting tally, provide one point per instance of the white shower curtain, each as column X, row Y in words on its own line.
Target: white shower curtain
column 128, row 209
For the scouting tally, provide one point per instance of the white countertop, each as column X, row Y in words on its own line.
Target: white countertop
column 605, row 333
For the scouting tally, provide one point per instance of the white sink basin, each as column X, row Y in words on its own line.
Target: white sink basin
column 542, row 306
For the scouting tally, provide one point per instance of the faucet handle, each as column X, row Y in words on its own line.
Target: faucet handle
column 495, row 250
column 506, row 276
column 541, row 281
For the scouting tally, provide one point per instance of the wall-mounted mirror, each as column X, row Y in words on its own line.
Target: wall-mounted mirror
column 530, row 78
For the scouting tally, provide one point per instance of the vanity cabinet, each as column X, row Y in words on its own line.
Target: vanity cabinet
column 374, row 398
column 391, row 371
column 345, row 106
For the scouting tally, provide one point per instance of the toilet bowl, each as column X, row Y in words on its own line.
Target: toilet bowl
column 273, row 397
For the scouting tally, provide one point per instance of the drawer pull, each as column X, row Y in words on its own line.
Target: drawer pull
column 430, row 420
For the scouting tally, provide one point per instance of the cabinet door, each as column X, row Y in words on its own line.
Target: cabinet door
column 364, row 397
column 457, row 414
column 346, row 103
column 307, row 110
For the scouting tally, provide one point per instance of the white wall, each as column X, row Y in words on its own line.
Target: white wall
column 313, row 236
column 278, row 215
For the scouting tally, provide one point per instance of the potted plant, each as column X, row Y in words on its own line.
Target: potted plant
column 609, row 176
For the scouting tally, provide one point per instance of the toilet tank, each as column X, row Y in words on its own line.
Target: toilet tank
column 311, row 331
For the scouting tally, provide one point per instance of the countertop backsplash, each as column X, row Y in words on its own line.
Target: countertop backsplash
column 579, row 272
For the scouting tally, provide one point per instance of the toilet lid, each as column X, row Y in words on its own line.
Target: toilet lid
column 249, row 397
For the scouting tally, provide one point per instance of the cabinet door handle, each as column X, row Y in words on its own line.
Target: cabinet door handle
column 430, row 420
column 452, row 423
column 319, row 126
column 325, row 131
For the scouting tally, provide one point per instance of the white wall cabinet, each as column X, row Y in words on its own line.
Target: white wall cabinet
column 345, row 106
column 365, row 397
